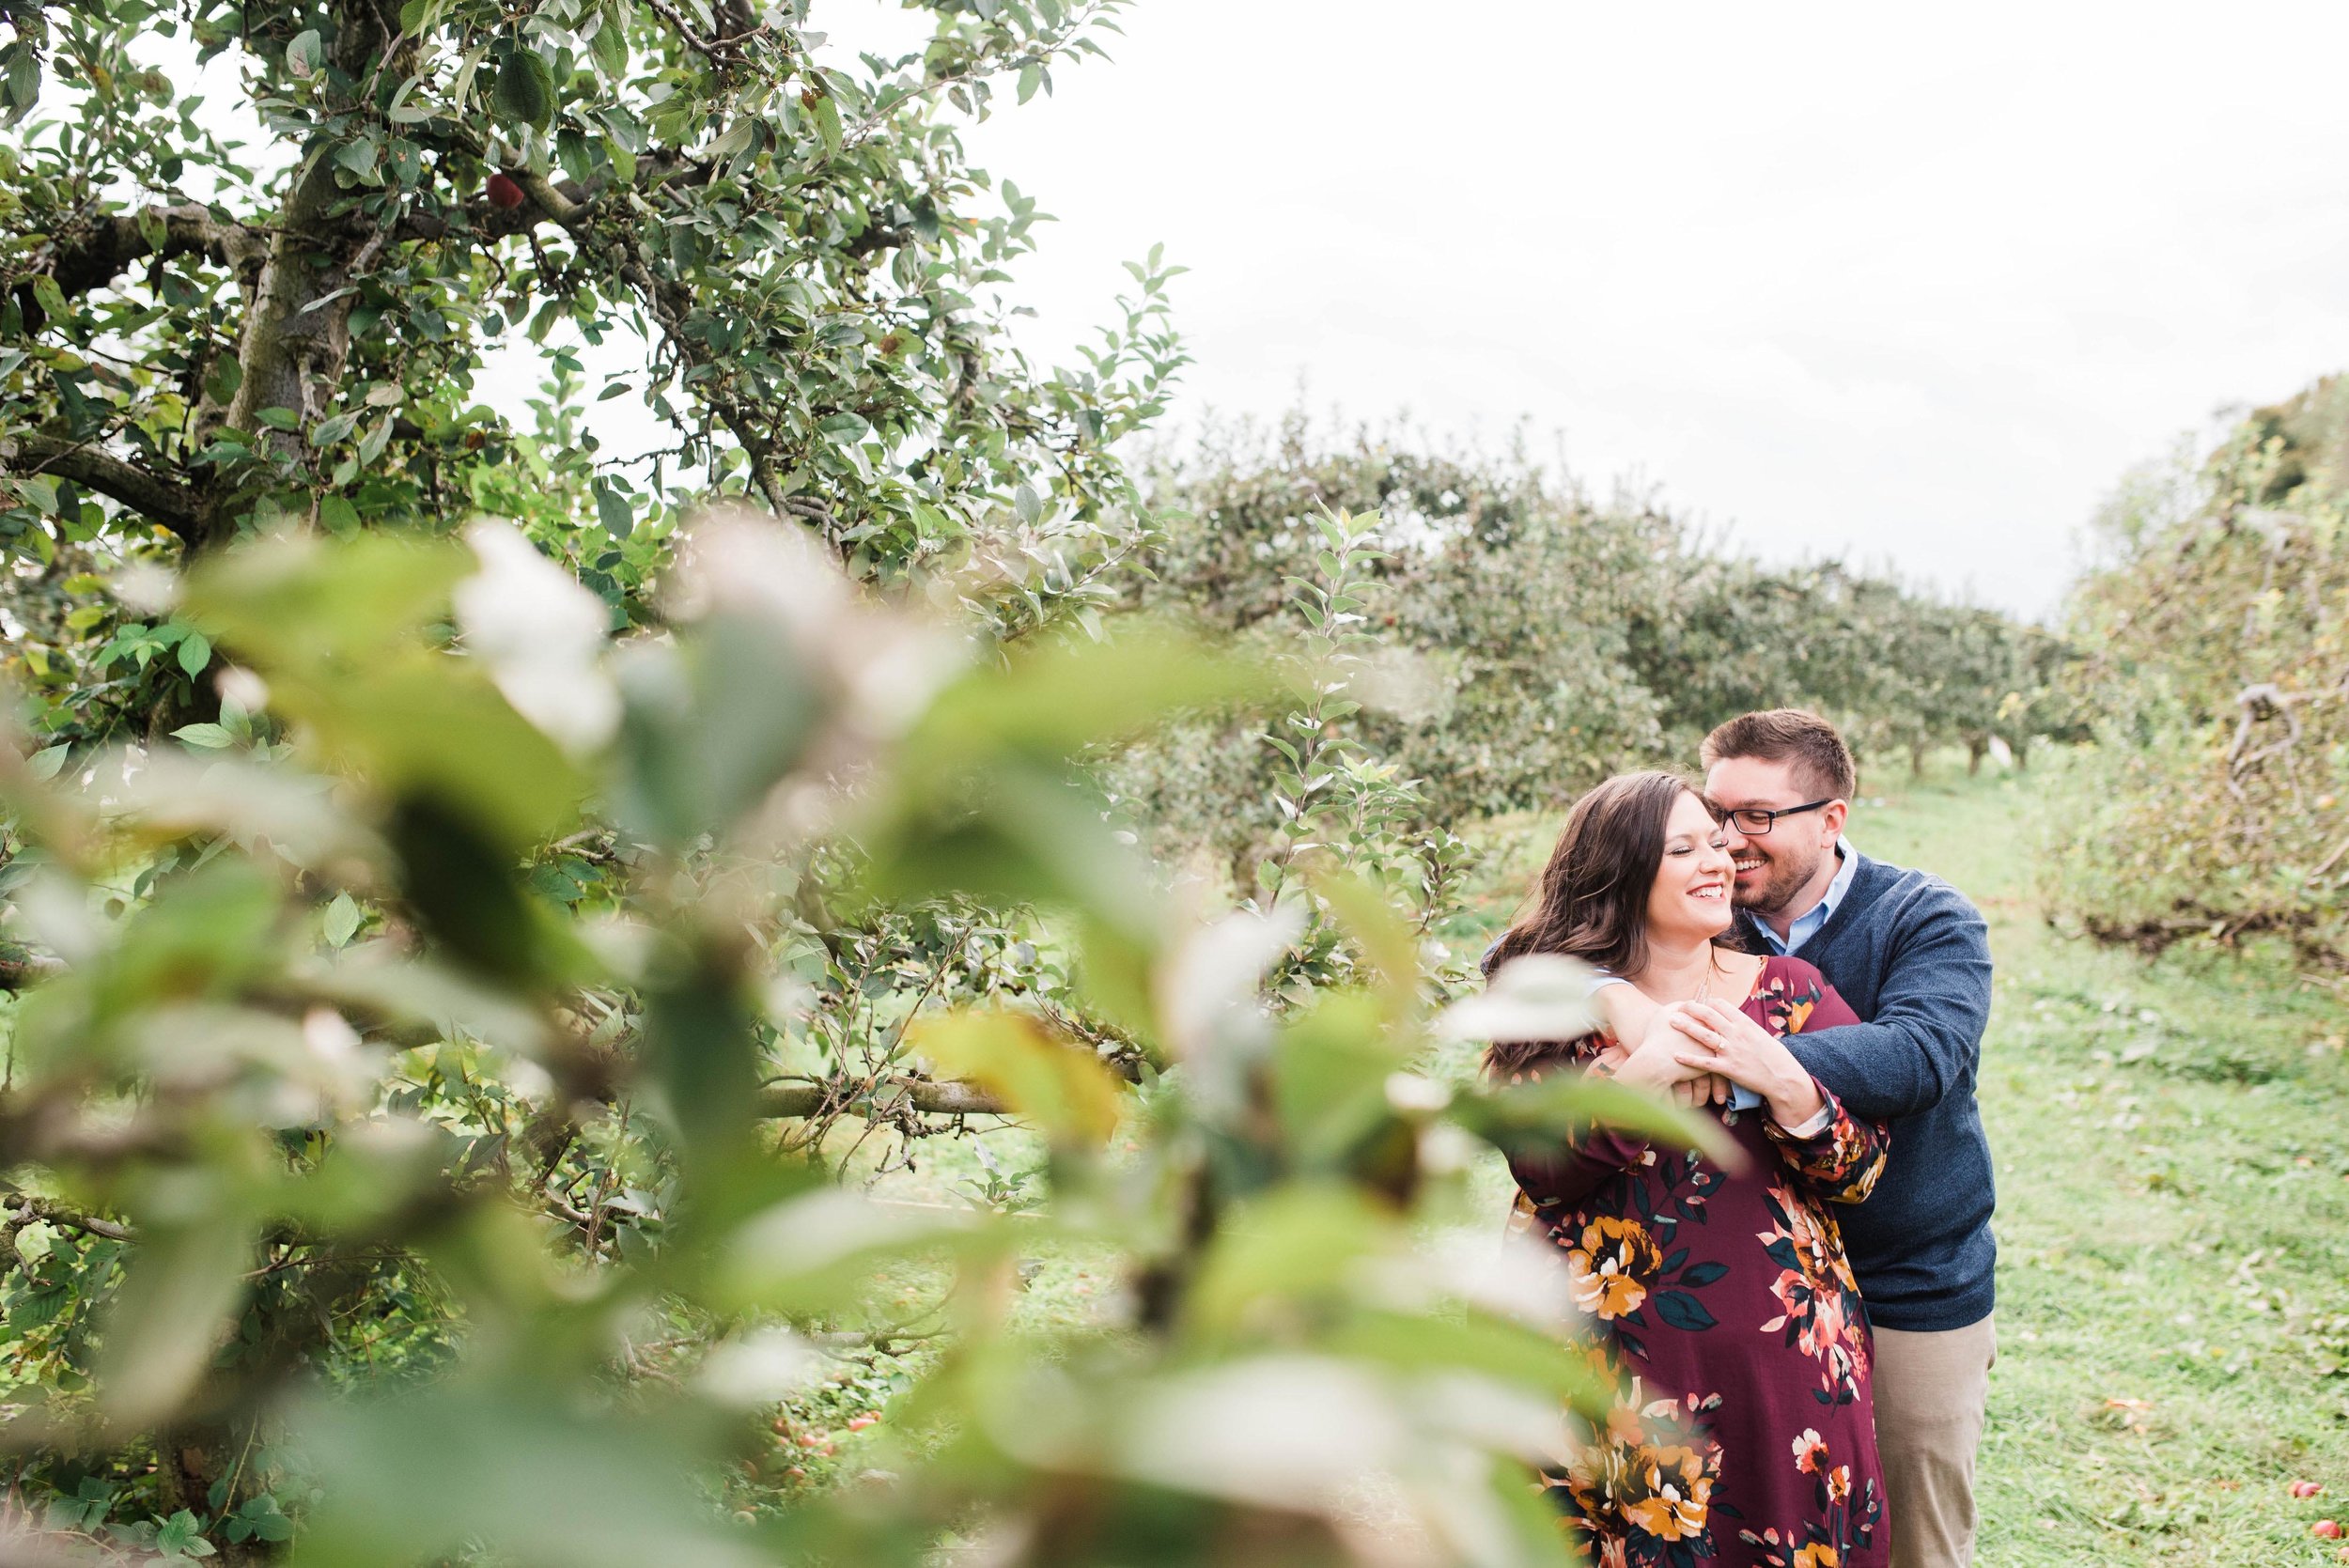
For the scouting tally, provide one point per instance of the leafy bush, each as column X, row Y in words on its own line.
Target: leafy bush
column 1536, row 640
column 2211, row 645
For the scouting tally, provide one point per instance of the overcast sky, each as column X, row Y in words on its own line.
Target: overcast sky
column 1910, row 286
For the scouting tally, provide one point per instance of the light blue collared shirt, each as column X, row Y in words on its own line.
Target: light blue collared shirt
column 1805, row 926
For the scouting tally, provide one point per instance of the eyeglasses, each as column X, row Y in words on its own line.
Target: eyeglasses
column 1754, row 821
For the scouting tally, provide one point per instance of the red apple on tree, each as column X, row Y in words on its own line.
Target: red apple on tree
column 504, row 192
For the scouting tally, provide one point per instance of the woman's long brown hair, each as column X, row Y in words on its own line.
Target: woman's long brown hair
column 1592, row 901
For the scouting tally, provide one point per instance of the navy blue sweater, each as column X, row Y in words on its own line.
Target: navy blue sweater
column 1912, row 957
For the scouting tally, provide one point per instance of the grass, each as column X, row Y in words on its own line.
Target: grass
column 2173, row 1227
column 2173, row 1221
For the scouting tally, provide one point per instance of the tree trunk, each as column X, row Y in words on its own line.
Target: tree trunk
column 295, row 339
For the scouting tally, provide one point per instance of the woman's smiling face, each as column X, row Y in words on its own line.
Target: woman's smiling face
column 1690, row 897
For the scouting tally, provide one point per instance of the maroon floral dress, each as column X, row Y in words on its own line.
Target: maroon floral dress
column 1744, row 1431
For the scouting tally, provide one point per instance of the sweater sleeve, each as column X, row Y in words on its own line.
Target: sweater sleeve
column 1925, row 1039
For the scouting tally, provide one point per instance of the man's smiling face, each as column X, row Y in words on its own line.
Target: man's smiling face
column 1773, row 868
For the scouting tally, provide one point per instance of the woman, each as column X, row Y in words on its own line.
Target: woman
column 1744, row 1432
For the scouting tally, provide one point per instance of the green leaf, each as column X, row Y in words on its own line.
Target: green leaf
column 226, row 376
column 196, row 652
column 371, row 445
column 262, row 1519
column 609, row 44
column 280, row 419
column 822, row 1248
column 24, row 79
column 45, row 763
column 343, row 919
column 341, row 633
column 570, row 150
column 178, row 1537
column 49, row 296
column 1302, row 1242
column 209, row 738
column 357, row 155
column 526, row 1476
column 303, row 53
column 178, row 1291
column 523, row 89
column 612, row 509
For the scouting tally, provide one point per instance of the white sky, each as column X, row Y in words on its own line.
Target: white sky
column 1913, row 286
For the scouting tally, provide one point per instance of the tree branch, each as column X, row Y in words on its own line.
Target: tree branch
column 168, row 502
column 20, row 967
column 798, row 1101
column 92, row 255
column 41, row 1209
column 720, row 53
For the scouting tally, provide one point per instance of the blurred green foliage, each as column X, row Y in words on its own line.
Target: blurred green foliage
column 359, row 1237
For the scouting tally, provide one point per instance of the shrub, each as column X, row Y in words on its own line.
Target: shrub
column 2212, row 657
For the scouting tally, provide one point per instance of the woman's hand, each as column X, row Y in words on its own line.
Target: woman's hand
column 1654, row 1060
column 1658, row 1034
column 1719, row 1038
column 1636, row 1025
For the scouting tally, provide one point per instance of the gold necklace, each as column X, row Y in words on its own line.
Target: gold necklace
column 1712, row 967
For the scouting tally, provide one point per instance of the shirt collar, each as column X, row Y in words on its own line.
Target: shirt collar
column 1841, row 885
column 1804, row 925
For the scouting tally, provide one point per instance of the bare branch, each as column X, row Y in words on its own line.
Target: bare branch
column 794, row 1101
column 719, row 51
column 47, row 1213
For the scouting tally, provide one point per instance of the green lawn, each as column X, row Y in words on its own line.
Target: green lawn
column 2173, row 1221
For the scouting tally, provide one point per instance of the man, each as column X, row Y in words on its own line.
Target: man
column 1912, row 957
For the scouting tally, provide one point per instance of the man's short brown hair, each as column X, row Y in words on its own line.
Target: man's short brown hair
column 1788, row 735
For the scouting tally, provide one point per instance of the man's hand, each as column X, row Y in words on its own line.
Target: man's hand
column 1659, row 1032
column 1724, row 1040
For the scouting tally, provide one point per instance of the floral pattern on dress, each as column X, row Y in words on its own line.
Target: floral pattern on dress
column 1722, row 1304
column 1842, row 1523
column 1652, row 1463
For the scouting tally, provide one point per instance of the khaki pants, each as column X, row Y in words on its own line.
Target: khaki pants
column 1932, row 1392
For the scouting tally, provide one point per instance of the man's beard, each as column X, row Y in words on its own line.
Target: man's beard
column 1780, row 882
